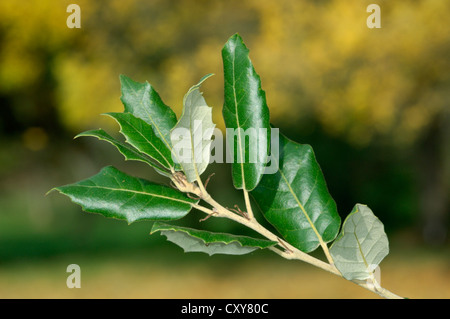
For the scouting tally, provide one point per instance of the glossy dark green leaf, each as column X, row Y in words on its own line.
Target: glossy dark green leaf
column 296, row 201
column 193, row 240
column 141, row 100
column 140, row 135
column 361, row 245
column 129, row 152
column 196, row 121
column 115, row 194
column 245, row 110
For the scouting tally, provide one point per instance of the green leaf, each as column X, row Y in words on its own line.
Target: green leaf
column 295, row 199
column 126, row 150
column 195, row 128
column 141, row 100
column 361, row 245
column 245, row 110
column 139, row 134
column 117, row 195
column 193, row 240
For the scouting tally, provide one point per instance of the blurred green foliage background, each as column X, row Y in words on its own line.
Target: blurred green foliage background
column 373, row 103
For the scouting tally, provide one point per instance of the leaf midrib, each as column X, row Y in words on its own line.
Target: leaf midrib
column 192, row 144
column 237, row 120
column 243, row 240
column 141, row 101
column 140, row 155
column 359, row 244
column 319, row 237
column 188, row 114
column 134, row 192
column 148, row 141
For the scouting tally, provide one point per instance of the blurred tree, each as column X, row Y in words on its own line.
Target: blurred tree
column 380, row 94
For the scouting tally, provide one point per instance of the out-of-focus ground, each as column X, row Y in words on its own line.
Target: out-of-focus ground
column 147, row 274
column 373, row 104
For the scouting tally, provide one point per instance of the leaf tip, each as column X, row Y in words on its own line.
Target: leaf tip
column 156, row 227
column 111, row 114
column 236, row 36
column 123, row 78
column 51, row 190
column 86, row 133
column 206, row 76
column 235, row 40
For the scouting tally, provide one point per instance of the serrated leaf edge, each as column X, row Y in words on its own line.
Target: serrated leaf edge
column 111, row 115
column 59, row 189
column 143, row 157
column 157, row 226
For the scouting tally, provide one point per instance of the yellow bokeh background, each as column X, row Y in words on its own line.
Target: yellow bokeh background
column 374, row 104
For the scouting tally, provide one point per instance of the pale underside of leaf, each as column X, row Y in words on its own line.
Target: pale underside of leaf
column 361, row 246
column 193, row 240
column 197, row 120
